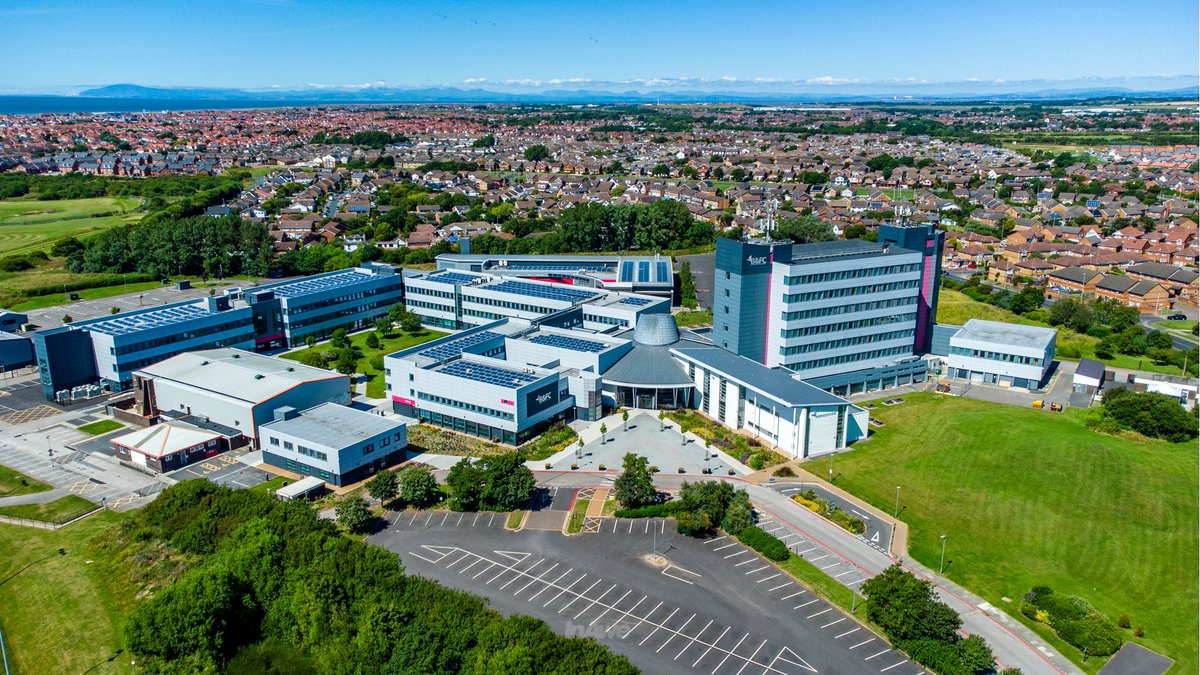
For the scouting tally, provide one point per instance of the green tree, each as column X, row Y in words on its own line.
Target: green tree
column 906, row 608
column 1027, row 300
column 536, row 153
column 508, row 483
column 354, row 514
column 347, row 363
column 373, row 340
column 383, row 486
column 660, row 170
column 635, row 486
column 975, row 654
column 383, row 325
column 804, row 230
column 738, row 514
column 417, row 485
column 339, row 339
column 410, row 323
column 466, row 482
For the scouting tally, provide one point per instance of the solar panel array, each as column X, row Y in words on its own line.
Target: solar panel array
column 319, row 284
column 501, row 377
column 643, row 272
column 539, row 291
column 636, row 302
column 558, row 267
column 156, row 319
column 456, row 347
column 664, row 271
column 626, row 271
column 454, row 278
column 564, row 342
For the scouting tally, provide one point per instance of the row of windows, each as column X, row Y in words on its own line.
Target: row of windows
column 297, row 308
column 129, row 366
column 610, row 320
column 418, row 290
column 470, row 407
column 199, row 331
column 845, row 342
column 848, row 309
column 507, row 304
column 410, row 303
column 851, row 291
column 849, row 358
column 467, row 426
column 382, row 303
column 491, row 316
column 846, row 325
column 996, row 356
column 841, row 275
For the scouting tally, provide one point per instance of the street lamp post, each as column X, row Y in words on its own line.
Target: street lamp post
column 942, row 563
column 896, row 512
column 831, row 467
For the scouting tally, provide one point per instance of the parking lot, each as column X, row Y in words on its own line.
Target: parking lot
column 669, row 603
column 877, row 533
column 52, row 317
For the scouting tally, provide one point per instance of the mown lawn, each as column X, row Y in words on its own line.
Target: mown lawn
column 28, row 224
column 63, row 613
column 1029, row 497
column 101, row 427
column 13, row 483
column 392, row 342
column 60, row 510
column 956, row 308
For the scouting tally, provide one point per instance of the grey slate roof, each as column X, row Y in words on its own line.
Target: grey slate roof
column 773, row 382
column 648, row 366
column 1090, row 368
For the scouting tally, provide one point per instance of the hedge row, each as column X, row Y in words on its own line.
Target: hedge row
column 1075, row 621
column 766, row 544
column 664, row 509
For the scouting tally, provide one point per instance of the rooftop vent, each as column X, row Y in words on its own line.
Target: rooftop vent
column 259, row 376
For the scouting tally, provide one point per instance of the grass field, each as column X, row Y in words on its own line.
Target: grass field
column 956, row 308
column 63, row 614
column 101, row 427
column 699, row 317
column 60, row 510
column 894, row 193
column 394, row 342
column 1176, row 325
column 578, row 511
column 1047, row 502
column 29, row 225
column 13, row 483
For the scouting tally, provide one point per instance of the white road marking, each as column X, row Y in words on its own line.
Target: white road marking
column 551, row 584
column 756, row 651
column 660, row 624
column 786, row 583
column 706, row 651
column 745, row 562
column 627, row 612
column 893, row 666
column 713, row 541
column 641, row 620
column 867, row 641
column 739, row 644
column 734, row 555
column 722, row 548
column 756, row 570
column 812, row 616
column 799, row 592
column 768, row 578
column 805, row 604
column 877, row 654
column 677, row 632
column 606, row 611
column 693, row 641
column 594, row 602
column 537, row 578
column 580, row 595
column 834, row 623
column 852, row 630
column 836, row 576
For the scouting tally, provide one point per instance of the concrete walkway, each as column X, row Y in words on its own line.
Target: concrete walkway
column 35, row 498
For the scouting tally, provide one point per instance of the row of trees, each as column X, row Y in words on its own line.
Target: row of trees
column 1147, row 413
column 492, row 483
column 269, row 583
column 198, row 245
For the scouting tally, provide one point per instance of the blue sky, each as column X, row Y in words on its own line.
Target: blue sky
column 763, row 45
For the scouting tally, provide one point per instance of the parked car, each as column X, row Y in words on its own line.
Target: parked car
column 1177, row 317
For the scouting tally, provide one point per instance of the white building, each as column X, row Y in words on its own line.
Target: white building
column 236, row 388
column 1010, row 355
column 336, row 443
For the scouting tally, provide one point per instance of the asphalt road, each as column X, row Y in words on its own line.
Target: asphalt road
column 877, row 532
column 712, row 606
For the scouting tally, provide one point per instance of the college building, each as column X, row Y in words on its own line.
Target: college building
column 648, row 274
column 332, row 442
column 106, row 351
column 1004, row 354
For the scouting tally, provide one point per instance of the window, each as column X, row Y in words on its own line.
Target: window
column 287, row 445
column 384, row 442
column 727, row 292
column 410, row 377
column 274, row 441
column 727, row 310
column 368, row 448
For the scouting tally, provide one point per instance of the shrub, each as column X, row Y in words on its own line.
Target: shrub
column 1094, row 633
column 1123, row 621
column 652, row 511
column 784, row 472
column 1139, row 632
column 1029, row 610
column 692, row 523
column 766, row 544
column 755, row 462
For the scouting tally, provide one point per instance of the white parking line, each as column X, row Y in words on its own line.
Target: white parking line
column 626, row 613
column 615, row 521
column 593, row 602
column 460, row 517
column 805, row 604
column 713, row 541
column 852, row 630
column 606, row 611
column 833, row 565
column 722, row 548
column 491, row 519
column 660, row 624
column 490, row 566
column 706, row 651
column 813, row 616
column 756, row 570
column 734, row 555
column 692, row 641
column 585, row 592
column 893, row 666
column 819, row 558
column 477, row 514
column 445, row 518
column 768, row 578
column 731, row 651
column 864, row 642
column 527, row 569
column 677, row 632
column 806, row 551
column 786, row 583
column 756, row 651
column 468, row 554
column 877, row 654
column 834, row 623
column 551, row 584
column 836, row 576
column 537, row 578
column 787, row 536
column 799, row 592
column 745, row 562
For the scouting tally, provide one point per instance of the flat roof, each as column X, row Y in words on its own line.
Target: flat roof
column 319, row 284
column 777, row 383
column 300, row 488
column 238, row 374
column 825, row 251
column 164, row 439
column 1012, row 334
column 497, row 375
column 546, row 291
column 155, row 318
column 334, row 426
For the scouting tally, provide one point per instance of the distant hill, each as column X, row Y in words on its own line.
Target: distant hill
column 458, row 95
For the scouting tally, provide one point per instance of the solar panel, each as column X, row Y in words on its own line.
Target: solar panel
column 643, row 272
column 559, row 266
column 456, row 347
column 664, row 271
column 501, row 377
column 455, row 278
column 636, row 302
column 319, row 284
column 564, row 342
column 559, row 293
column 155, row 319
column 626, row 271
